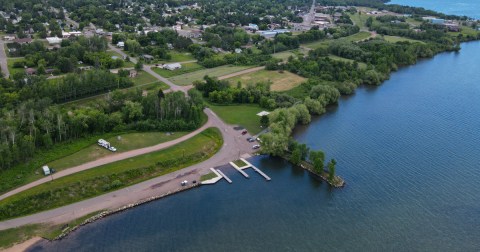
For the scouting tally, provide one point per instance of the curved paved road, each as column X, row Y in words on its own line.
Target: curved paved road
column 110, row 159
column 234, row 146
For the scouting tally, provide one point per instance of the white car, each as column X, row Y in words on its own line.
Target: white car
column 256, row 146
column 184, row 183
column 112, row 149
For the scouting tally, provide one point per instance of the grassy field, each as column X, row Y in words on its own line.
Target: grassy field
column 110, row 177
column 360, row 64
column 244, row 115
column 126, row 142
column 352, row 38
column 395, row 39
column 465, row 30
column 280, row 81
column 10, row 62
column 359, row 20
column 186, row 68
column 189, row 78
column 178, row 57
column 239, row 163
column 143, row 78
column 283, row 55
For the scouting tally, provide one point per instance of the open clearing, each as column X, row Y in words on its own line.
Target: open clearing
column 189, row 78
column 395, row 39
column 186, row 68
column 123, row 143
column 143, row 78
column 280, row 81
column 178, row 57
column 93, row 182
column 244, row 115
column 11, row 69
column 352, row 38
column 360, row 64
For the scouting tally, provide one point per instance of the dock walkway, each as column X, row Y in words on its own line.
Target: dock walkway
column 224, row 176
column 256, row 169
column 239, row 169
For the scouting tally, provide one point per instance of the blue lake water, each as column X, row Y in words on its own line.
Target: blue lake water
column 470, row 8
column 409, row 151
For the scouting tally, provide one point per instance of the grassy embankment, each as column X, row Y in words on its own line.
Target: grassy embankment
column 186, row 68
column 239, row 163
column 208, row 176
column 244, row 115
column 17, row 235
column 123, row 143
column 110, row 177
column 280, row 81
column 189, row 78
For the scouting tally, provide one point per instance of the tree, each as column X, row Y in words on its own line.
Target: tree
column 296, row 156
column 317, row 158
column 264, row 121
column 331, row 169
column 139, row 65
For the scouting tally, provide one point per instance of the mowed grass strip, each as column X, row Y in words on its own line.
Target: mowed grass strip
column 352, row 38
column 395, row 39
column 186, row 68
column 110, row 177
column 143, row 78
column 178, row 57
column 244, row 115
column 123, row 143
column 280, row 81
column 189, row 78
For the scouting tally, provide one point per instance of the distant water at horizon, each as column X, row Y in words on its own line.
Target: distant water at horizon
column 408, row 150
column 470, row 8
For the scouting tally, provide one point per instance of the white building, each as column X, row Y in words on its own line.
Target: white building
column 173, row 66
column 121, row 44
column 54, row 40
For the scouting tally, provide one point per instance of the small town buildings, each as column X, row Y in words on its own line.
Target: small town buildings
column 172, row 66
column 452, row 27
column 9, row 38
column 30, row 71
column 54, row 40
column 147, row 57
column 23, row 40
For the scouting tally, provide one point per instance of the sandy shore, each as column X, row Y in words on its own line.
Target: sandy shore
column 24, row 245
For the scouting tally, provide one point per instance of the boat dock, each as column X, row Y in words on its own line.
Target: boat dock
column 224, row 176
column 256, row 169
column 239, row 169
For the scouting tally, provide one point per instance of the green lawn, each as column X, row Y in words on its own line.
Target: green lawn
column 10, row 62
column 360, row 64
column 465, row 30
column 244, row 115
column 280, row 81
column 178, row 57
column 239, row 163
column 110, row 177
column 395, row 39
column 352, row 38
column 283, row 55
column 208, row 176
column 127, row 64
column 186, row 68
column 189, row 78
column 359, row 20
column 143, row 78
column 126, row 142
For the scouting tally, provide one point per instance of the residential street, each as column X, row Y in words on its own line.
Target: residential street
column 3, row 60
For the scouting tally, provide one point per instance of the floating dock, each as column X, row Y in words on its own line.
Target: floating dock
column 256, row 169
column 239, row 169
column 224, row 176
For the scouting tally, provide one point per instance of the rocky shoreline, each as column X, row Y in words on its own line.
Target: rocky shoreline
column 120, row 209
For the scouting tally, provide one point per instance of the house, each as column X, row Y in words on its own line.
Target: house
column 121, row 44
column 99, row 31
column 452, row 27
column 147, row 57
column 172, row 66
column 238, row 50
column 49, row 70
column 132, row 74
column 9, row 38
column 75, row 33
column 54, row 40
column 23, row 40
column 30, row 71
column 84, row 68
column 65, row 35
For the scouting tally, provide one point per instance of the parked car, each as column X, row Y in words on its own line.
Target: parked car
column 244, row 132
column 250, row 139
column 184, row 183
column 256, row 146
column 112, row 149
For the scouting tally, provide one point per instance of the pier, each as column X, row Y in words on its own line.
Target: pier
column 256, row 169
column 224, row 176
column 239, row 169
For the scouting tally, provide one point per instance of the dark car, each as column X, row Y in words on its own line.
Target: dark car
column 244, row 132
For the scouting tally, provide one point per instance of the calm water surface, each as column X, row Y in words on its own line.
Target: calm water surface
column 470, row 8
column 409, row 151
